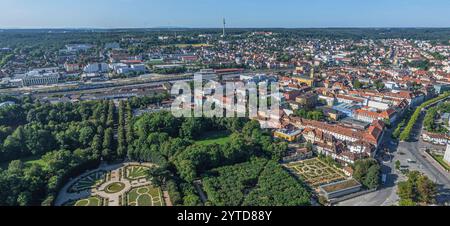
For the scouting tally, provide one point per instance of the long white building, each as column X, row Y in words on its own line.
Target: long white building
column 447, row 154
column 41, row 76
column 96, row 68
column 44, row 79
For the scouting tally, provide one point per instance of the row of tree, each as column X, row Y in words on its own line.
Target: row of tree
column 406, row 133
column 258, row 182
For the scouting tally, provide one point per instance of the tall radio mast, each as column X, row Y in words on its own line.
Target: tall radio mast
column 224, row 24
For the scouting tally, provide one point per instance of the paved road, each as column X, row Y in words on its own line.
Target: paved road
column 412, row 150
column 387, row 194
column 403, row 152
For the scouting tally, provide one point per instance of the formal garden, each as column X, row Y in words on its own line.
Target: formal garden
column 116, row 185
column 145, row 196
column 315, row 172
column 90, row 201
column 88, row 182
column 135, row 172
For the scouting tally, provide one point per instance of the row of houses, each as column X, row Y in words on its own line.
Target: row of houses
column 342, row 143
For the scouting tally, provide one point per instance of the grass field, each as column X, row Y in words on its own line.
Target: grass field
column 440, row 159
column 136, row 172
column 145, row 196
column 214, row 138
column 29, row 161
column 316, row 172
column 91, row 201
column 90, row 181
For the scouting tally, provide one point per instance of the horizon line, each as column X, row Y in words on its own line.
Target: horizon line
column 181, row 27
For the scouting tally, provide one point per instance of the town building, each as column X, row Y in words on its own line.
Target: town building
column 96, row 68
column 207, row 74
column 370, row 115
column 435, row 138
column 78, row 47
column 41, row 79
column 290, row 135
column 447, row 154
column 340, row 189
column 297, row 154
column 308, row 100
column 71, row 67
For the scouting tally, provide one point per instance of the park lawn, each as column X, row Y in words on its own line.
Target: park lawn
column 440, row 159
column 214, row 138
column 28, row 161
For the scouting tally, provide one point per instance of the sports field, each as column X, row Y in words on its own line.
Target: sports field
column 90, row 181
column 145, row 196
column 316, row 172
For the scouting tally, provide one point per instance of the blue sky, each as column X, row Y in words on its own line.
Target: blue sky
column 209, row 13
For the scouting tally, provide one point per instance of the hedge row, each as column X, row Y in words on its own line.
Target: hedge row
column 406, row 134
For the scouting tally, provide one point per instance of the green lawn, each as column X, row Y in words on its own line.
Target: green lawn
column 440, row 159
column 28, row 161
column 214, row 138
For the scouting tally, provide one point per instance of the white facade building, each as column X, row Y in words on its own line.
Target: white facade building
column 78, row 47
column 207, row 74
column 447, row 154
column 96, row 68
column 44, row 79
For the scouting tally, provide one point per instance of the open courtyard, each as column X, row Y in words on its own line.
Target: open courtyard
column 315, row 172
column 112, row 185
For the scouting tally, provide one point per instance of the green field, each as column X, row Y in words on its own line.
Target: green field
column 136, row 172
column 440, row 159
column 145, row 196
column 214, row 138
column 28, row 161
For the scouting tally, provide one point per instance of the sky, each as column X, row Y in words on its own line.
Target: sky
column 209, row 13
